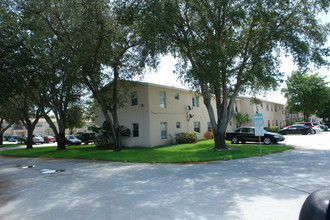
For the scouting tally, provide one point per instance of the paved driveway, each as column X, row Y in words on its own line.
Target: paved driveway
column 268, row 187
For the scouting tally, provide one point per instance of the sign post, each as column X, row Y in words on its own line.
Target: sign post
column 259, row 128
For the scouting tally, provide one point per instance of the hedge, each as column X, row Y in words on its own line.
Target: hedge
column 186, row 137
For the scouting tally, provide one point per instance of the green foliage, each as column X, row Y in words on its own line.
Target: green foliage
column 324, row 111
column 242, row 118
column 186, row 137
column 272, row 129
column 75, row 118
column 306, row 93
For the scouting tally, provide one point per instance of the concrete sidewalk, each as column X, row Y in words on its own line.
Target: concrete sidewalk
column 268, row 187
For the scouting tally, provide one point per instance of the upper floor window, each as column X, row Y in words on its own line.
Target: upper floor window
column 39, row 125
column 236, row 108
column 134, row 98
column 195, row 101
column 177, row 96
column 178, row 125
column 267, row 107
column 275, row 109
column 162, row 99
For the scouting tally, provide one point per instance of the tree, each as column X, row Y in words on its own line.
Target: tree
column 228, row 47
column 242, row 118
column 17, row 67
column 306, row 93
column 104, row 44
column 74, row 117
column 8, row 117
column 324, row 111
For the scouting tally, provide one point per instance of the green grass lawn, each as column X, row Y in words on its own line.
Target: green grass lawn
column 182, row 153
column 10, row 145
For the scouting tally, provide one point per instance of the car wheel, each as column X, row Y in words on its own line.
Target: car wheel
column 234, row 140
column 304, row 133
column 313, row 131
column 267, row 141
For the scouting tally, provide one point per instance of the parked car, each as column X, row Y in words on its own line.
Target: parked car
column 308, row 124
column 72, row 140
column 49, row 138
column 320, row 125
column 37, row 139
column 87, row 137
column 296, row 129
column 12, row 138
column 247, row 134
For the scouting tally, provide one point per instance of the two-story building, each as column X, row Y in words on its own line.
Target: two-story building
column 155, row 113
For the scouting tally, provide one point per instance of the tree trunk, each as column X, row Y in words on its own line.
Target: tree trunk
column 61, row 141
column 1, row 138
column 29, row 138
column 220, row 139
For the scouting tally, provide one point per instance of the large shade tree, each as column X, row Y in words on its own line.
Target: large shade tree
column 103, row 39
column 306, row 93
column 19, row 77
column 227, row 47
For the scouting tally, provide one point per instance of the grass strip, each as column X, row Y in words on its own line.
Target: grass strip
column 199, row 152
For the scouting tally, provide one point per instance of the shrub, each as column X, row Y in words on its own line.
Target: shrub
column 208, row 135
column 186, row 137
column 272, row 129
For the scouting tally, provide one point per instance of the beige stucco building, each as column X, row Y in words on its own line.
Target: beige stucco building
column 155, row 113
column 42, row 128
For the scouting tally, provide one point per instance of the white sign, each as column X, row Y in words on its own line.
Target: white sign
column 258, row 125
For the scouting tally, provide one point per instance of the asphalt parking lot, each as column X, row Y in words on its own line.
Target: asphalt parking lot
column 268, row 187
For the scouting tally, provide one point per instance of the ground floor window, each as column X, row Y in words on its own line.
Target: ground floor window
column 197, row 127
column 163, row 130
column 178, row 125
column 135, row 130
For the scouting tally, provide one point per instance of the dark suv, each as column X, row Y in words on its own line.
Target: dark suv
column 87, row 137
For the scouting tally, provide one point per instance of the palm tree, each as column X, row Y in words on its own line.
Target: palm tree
column 242, row 119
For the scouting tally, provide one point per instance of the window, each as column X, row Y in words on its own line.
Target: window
column 135, row 130
column 134, row 98
column 197, row 127
column 162, row 99
column 267, row 107
column 271, row 107
column 276, row 122
column 236, row 109
column 257, row 109
column 39, row 125
column 177, row 96
column 163, row 130
column 178, row 125
column 195, row 101
column 268, row 123
column 275, row 109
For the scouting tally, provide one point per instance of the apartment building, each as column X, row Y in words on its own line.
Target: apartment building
column 42, row 128
column 155, row 113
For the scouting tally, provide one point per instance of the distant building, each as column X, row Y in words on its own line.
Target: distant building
column 155, row 113
column 42, row 128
